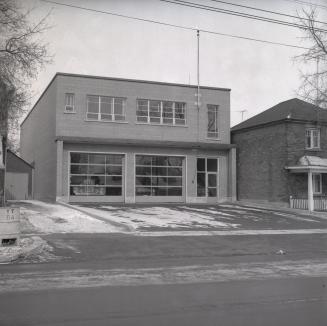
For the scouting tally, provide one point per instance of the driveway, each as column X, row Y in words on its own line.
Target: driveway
column 224, row 217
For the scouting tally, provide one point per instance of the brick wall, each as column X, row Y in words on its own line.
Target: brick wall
column 76, row 124
column 37, row 144
column 261, row 159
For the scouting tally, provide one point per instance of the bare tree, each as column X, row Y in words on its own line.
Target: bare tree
column 22, row 55
column 314, row 79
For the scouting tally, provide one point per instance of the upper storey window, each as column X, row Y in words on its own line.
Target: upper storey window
column 312, row 138
column 105, row 108
column 70, row 103
column 161, row 112
column 213, row 131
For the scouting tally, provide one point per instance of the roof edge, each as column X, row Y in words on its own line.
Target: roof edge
column 8, row 150
column 140, row 81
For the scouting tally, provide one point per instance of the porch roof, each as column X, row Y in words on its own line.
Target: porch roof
column 309, row 163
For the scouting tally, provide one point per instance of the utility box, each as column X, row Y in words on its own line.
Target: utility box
column 9, row 226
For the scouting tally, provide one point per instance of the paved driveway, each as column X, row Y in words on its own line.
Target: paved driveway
column 199, row 217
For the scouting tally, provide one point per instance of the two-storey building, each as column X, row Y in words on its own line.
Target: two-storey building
column 99, row 139
column 282, row 155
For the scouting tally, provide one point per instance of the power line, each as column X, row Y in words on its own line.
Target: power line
column 308, row 3
column 267, row 11
column 177, row 26
column 239, row 14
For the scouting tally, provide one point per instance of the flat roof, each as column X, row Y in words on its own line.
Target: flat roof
column 118, row 79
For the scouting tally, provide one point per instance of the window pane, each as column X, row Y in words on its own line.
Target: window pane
column 114, row 181
column 175, row 191
column 144, row 181
column 143, row 170
column 96, row 169
column 212, row 192
column 143, row 160
column 212, row 180
column 93, row 107
column 113, row 191
column 201, row 164
column 159, row 170
column 159, row 181
column 114, row 159
column 143, row 191
column 97, row 159
column 113, row 170
column 78, row 190
column 79, row 180
column 201, row 184
column 160, row 160
column 78, row 169
column 212, row 164
column 105, row 106
column 175, row 171
column 92, row 116
column 79, row 158
column 161, row 191
column 175, row 161
column 95, row 191
column 96, row 180
column 174, row 181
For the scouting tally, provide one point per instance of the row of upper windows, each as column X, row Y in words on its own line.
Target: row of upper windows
column 107, row 108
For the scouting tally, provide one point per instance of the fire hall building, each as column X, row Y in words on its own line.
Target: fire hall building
column 99, row 139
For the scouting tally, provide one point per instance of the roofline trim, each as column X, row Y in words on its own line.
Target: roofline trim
column 8, row 150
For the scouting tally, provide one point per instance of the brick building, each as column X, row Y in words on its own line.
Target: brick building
column 100, row 139
column 282, row 153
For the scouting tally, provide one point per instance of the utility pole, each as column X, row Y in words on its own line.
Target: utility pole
column 317, row 82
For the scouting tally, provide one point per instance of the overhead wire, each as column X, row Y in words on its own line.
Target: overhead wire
column 266, row 11
column 239, row 14
column 176, row 26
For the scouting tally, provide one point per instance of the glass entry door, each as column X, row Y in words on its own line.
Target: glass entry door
column 207, row 177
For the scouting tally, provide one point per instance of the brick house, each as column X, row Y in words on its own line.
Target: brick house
column 282, row 154
column 99, row 139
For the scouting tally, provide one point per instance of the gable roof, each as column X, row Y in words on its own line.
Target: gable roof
column 293, row 109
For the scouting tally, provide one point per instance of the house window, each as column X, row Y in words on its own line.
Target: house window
column 158, row 175
column 316, row 183
column 105, row 108
column 96, row 174
column 312, row 138
column 213, row 121
column 70, row 103
column 160, row 112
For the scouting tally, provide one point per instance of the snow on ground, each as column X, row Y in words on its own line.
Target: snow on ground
column 32, row 248
column 56, row 218
column 161, row 217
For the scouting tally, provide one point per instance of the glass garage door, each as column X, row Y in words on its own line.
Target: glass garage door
column 96, row 175
column 158, row 176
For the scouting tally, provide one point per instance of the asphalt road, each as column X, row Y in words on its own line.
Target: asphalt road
column 296, row 301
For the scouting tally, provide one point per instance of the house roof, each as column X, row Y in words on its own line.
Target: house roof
column 10, row 152
column 309, row 163
column 293, row 109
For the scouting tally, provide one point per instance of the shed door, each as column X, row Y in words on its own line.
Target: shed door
column 16, row 186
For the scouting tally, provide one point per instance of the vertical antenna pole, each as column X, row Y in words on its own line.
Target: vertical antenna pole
column 198, row 70
column 317, row 82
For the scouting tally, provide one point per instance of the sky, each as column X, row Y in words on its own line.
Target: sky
column 259, row 75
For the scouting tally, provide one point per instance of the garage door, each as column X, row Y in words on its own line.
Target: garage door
column 159, row 178
column 16, row 186
column 96, row 177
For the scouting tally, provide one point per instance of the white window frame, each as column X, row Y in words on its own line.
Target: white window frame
column 69, row 96
column 211, row 134
column 309, row 135
column 161, row 113
column 112, row 104
column 317, row 177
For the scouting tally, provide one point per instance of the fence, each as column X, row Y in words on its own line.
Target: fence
column 319, row 203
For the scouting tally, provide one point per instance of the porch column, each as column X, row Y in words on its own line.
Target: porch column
column 310, row 192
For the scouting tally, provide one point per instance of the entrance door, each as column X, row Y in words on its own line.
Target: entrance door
column 207, row 178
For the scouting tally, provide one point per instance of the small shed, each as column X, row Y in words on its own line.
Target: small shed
column 18, row 178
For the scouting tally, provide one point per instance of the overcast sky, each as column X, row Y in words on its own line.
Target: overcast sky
column 260, row 75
